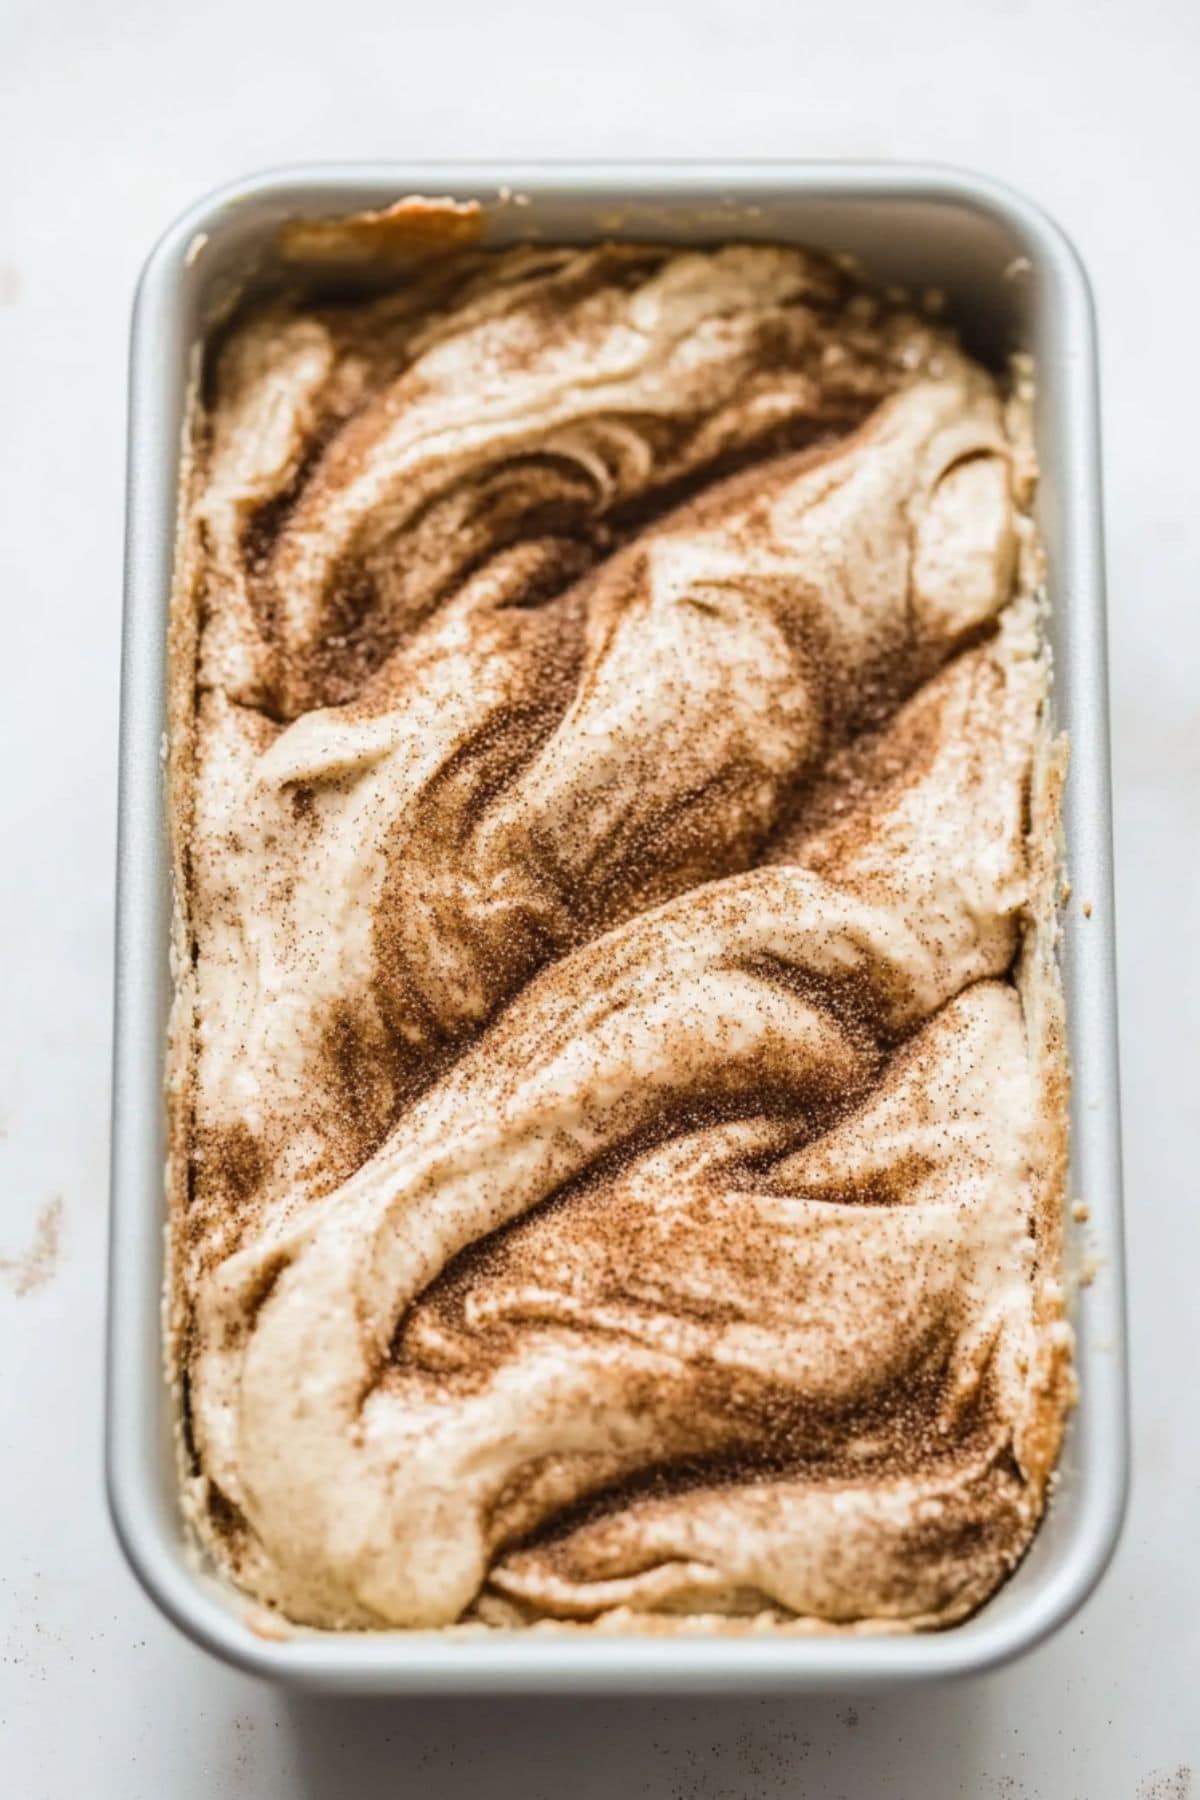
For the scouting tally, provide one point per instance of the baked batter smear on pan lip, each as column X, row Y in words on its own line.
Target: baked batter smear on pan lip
column 617, row 1084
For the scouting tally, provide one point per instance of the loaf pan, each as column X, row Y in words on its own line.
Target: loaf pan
column 1011, row 281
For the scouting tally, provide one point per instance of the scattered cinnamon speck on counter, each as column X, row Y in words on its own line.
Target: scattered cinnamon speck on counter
column 1176, row 1785
column 37, row 1266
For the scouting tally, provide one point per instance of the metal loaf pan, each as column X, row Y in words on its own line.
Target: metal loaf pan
column 1011, row 280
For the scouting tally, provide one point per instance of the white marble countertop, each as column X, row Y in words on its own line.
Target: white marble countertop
column 111, row 120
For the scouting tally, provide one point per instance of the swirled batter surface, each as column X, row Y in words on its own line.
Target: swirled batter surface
column 617, row 1089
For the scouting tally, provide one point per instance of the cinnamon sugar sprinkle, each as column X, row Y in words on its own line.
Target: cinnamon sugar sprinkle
column 617, row 1090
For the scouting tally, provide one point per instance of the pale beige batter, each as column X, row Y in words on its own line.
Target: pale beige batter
column 617, row 1091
